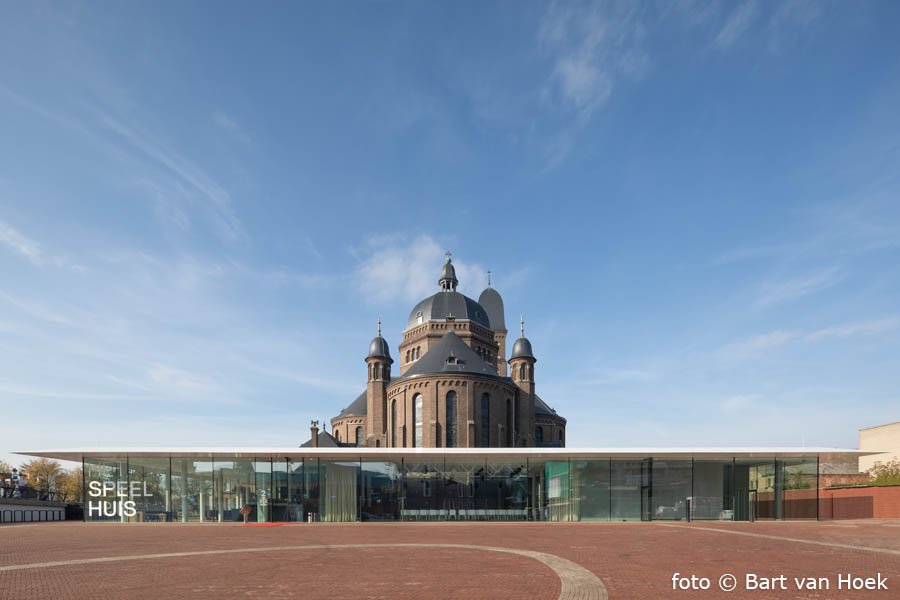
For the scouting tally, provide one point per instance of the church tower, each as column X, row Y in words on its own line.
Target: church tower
column 379, row 363
column 521, row 365
column 492, row 302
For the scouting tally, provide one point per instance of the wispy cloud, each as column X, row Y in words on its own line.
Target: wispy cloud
column 777, row 292
column 758, row 343
column 737, row 23
column 20, row 244
column 395, row 267
column 733, row 404
column 30, row 250
column 592, row 46
column 871, row 327
column 216, row 198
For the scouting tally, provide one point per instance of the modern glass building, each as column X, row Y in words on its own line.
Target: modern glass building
column 464, row 484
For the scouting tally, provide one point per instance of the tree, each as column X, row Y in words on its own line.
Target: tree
column 71, row 485
column 5, row 469
column 886, row 473
column 41, row 473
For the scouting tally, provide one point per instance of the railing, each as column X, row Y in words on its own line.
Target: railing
column 31, row 515
column 28, row 493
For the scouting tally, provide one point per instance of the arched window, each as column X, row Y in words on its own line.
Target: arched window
column 387, row 372
column 530, row 372
column 521, row 372
column 451, row 419
column 560, row 436
column 337, row 434
column 418, row 419
column 407, row 355
column 538, row 436
column 485, row 420
column 360, row 438
column 509, row 424
column 394, row 427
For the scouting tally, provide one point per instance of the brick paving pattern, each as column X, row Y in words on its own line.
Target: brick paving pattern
column 633, row 560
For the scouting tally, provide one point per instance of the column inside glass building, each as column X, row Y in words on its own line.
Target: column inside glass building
column 466, row 488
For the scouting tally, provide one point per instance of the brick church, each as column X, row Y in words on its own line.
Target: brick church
column 455, row 386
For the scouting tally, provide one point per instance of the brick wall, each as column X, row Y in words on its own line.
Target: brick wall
column 860, row 503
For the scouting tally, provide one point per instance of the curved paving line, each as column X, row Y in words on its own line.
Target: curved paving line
column 767, row 536
column 577, row 582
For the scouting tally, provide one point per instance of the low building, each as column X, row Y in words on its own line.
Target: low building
column 883, row 439
column 339, row 483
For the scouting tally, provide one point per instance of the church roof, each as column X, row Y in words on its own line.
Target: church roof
column 448, row 304
column 450, row 355
column 357, row 408
column 326, row 440
column 541, row 408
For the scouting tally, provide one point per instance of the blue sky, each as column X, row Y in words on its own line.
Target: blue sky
column 204, row 208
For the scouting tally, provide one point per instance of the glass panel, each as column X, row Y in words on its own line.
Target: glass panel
column 418, row 418
column 625, row 490
column 106, row 489
column 761, row 486
column 800, row 487
column 192, row 490
column 590, row 490
column 505, row 491
column 559, row 498
column 451, row 419
column 423, row 490
column 380, row 484
column 485, row 420
column 150, row 489
column 714, row 495
column 263, row 469
column 282, row 506
column 466, row 495
column 671, row 480
column 338, row 483
column 305, row 489
column 235, row 488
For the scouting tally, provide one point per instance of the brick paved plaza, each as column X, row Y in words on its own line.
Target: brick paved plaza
column 441, row 560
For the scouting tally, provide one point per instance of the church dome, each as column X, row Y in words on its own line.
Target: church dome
column 378, row 348
column 522, row 349
column 492, row 302
column 448, row 304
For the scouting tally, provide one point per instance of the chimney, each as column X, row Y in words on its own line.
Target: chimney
column 314, row 433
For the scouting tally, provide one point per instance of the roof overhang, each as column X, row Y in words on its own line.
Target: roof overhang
column 697, row 453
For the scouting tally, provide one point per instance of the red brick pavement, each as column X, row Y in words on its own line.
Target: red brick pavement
column 634, row 560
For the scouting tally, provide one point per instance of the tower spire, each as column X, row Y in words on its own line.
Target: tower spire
column 379, row 326
column 448, row 280
column 522, row 325
column 489, row 278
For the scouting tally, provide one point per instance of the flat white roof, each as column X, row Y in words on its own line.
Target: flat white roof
column 77, row 454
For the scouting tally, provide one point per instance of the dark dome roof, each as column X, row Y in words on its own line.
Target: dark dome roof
column 446, row 304
column 378, row 348
column 522, row 349
column 492, row 302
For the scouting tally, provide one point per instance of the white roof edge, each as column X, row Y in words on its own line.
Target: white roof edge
column 287, row 452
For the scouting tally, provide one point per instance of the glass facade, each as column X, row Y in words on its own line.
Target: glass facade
column 459, row 486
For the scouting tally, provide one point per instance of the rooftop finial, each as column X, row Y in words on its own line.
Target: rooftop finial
column 448, row 254
column 379, row 326
column 522, row 325
column 448, row 280
column 489, row 278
